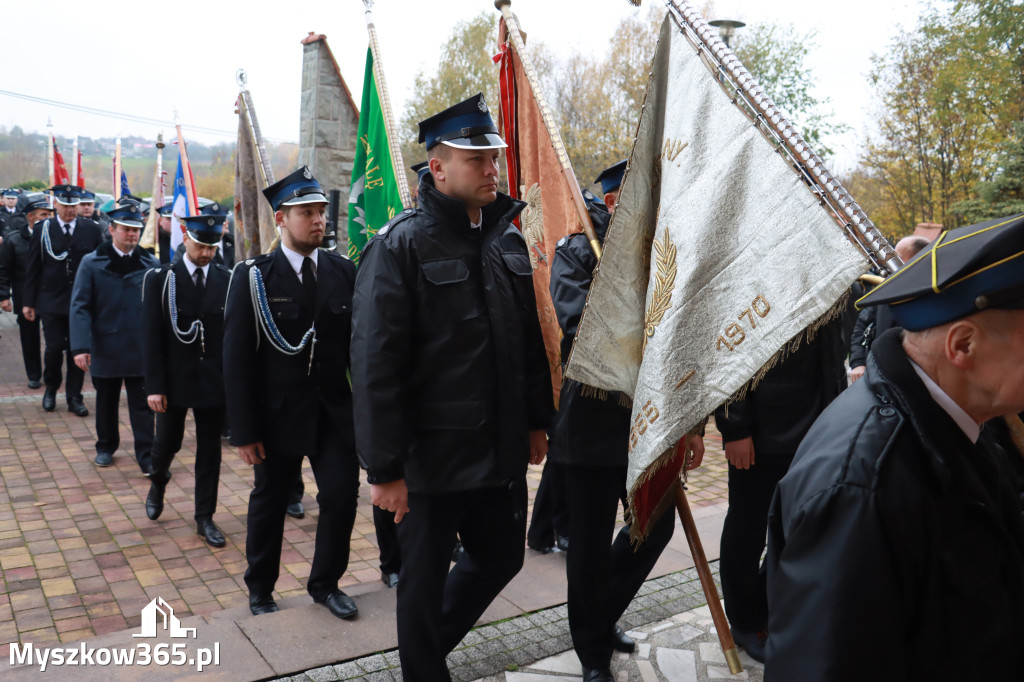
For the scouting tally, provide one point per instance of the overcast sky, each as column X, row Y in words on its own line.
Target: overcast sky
column 148, row 59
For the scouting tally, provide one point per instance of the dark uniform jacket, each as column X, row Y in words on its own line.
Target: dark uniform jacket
column 48, row 281
column 13, row 257
column 448, row 363
column 779, row 412
column 274, row 398
column 106, row 310
column 590, row 429
column 871, row 323
column 11, row 223
column 190, row 375
column 895, row 545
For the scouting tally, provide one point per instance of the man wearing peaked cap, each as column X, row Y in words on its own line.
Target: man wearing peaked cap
column 183, row 323
column 86, row 203
column 452, row 386
column 106, row 333
column 57, row 248
column 896, row 543
column 287, row 324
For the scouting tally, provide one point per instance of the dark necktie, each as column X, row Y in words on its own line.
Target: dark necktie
column 309, row 279
column 200, row 282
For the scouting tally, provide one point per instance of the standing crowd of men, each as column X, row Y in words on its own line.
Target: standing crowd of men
column 892, row 509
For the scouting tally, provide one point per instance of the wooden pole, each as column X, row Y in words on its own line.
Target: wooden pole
column 74, row 161
column 707, row 581
column 49, row 150
column 189, row 184
column 516, row 38
column 117, row 170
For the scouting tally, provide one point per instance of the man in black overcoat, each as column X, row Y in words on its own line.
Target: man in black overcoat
column 57, row 248
column 183, row 349
column 286, row 335
column 452, row 386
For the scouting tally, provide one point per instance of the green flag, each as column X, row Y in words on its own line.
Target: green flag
column 375, row 198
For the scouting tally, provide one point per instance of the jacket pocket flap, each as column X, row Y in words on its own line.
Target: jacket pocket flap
column 445, row 271
column 518, row 263
column 461, row 414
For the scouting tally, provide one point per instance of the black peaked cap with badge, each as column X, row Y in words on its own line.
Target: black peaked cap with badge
column 206, row 228
column 300, row 187
column 964, row 271
column 66, row 194
column 611, row 177
column 466, row 125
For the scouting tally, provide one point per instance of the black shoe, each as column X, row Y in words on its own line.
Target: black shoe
column 622, row 642
column 598, row 675
column 340, row 604
column 389, row 579
column 155, row 501
column 34, row 383
column 295, row 510
column 561, row 542
column 104, row 459
column 543, row 550
column 207, row 529
column 76, row 406
column 752, row 642
column 50, row 399
column 458, row 551
column 260, row 604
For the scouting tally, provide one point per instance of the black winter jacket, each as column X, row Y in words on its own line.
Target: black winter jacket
column 449, row 372
column 895, row 545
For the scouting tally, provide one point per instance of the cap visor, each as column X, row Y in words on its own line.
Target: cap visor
column 66, row 201
column 484, row 141
column 204, row 240
column 128, row 223
column 314, row 198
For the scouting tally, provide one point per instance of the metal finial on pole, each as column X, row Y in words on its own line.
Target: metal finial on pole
column 241, row 78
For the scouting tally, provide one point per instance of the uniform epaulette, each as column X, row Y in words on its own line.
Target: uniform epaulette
column 407, row 213
column 332, row 254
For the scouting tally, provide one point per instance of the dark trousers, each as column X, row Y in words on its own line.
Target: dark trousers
column 108, row 396
column 744, row 587
column 387, row 540
column 55, row 335
column 170, row 429
column 337, row 476
column 437, row 607
column 298, row 489
column 550, row 515
column 30, row 353
column 603, row 576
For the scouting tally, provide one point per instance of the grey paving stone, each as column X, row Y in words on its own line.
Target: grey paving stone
column 373, row 663
column 326, row 674
column 348, row 670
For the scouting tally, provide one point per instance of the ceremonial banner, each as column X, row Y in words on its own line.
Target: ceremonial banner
column 182, row 201
column 60, row 171
column 255, row 228
column 80, row 179
column 535, row 176
column 717, row 260
column 375, row 196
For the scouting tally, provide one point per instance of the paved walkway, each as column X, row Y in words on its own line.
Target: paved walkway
column 80, row 560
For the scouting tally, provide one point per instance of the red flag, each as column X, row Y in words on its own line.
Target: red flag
column 81, row 171
column 60, row 171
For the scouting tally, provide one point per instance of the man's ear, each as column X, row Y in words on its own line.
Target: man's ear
column 961, row 344
column 610, row 199
column 437, row 168
column 279, row 217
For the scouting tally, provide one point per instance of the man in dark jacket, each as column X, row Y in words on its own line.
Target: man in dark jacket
column 106, row 333
column 896, row 544
column 13, row 259
column 55, row 252
column 874, row 321
column 452, row 386
column 591, row 446
column 10, row 215
column 760, row 434
column 286, row 333
column 183, row 327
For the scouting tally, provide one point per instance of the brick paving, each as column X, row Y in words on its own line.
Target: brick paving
column 79, row 558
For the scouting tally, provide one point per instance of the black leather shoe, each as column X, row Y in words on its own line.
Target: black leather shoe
column 104, row 459
column 752, row 642
column 598, row 675
column 207, row 529
column 458, row 551
column 389, row 579
column 340, row 604
column 260, row 604
column 35, row 383
column 78, row 408
column 50, row 399
column 295, row 510
column 622, row 642
column 543, row 550
column 155, row 501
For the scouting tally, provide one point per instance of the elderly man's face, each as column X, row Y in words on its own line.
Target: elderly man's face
column 999, row 364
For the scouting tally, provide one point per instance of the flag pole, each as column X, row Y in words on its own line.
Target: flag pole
column 74, row 161
column 49, row 150
column 245, row 108
column 385, row 103
column 515, row 37
column 156, row 201
column 189, row 183
column 117, row 170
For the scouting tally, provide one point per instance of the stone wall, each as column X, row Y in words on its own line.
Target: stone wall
column 329, row 120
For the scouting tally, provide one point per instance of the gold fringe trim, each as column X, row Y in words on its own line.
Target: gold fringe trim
column 789, row 348
column 601, row 394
